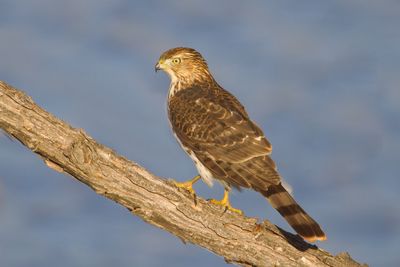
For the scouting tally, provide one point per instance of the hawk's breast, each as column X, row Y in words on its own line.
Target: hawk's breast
column 183, row 117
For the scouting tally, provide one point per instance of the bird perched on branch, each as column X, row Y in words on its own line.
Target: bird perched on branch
column 225, row 144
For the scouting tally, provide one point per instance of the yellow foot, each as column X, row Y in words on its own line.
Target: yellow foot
column 188, row 185
column 224, row 202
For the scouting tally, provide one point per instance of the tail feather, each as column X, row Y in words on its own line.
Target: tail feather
column 300, row 221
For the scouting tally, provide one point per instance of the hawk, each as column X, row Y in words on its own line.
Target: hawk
column 213, row 127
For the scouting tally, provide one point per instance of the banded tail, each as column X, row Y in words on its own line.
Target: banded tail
column 300, row 221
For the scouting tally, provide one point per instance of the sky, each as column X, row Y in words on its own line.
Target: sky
column 321, row 78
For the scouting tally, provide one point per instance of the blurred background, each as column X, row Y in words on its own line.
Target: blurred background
column 321, row 78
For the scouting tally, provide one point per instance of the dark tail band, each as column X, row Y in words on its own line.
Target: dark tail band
column 300, row 221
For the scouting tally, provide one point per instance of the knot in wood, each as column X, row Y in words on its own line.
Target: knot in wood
column 80, row 152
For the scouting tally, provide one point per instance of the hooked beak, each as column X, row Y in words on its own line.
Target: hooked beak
column 157, row 67
column 161, row 64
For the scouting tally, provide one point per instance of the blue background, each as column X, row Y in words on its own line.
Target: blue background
column 320, row 77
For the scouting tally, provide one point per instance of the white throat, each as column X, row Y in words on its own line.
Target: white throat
column 174, row 86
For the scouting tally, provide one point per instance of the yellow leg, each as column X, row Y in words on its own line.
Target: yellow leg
column 188, row 185
column 225, row 203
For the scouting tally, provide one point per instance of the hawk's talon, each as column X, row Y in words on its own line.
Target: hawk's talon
column 224, row 202
column 195, row 199
column 185, row 185
column 188, row 186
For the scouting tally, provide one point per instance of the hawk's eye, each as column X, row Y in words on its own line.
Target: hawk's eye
column 176, row 60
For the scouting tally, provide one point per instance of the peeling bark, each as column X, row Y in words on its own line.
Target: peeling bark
column 240, row 240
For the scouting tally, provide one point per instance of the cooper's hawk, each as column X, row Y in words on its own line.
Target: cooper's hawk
column 215, row 130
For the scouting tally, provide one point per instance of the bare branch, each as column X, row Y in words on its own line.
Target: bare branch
column 240, row 240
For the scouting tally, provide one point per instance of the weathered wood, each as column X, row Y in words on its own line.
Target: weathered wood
column 240, row 240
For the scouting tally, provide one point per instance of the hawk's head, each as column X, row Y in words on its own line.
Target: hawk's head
column 183, row 64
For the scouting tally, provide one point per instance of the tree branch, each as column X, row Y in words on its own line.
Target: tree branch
column 240, row 240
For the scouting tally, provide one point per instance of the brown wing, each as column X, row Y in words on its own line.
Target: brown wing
column 214, row 125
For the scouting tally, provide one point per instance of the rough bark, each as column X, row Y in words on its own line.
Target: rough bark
column 239, row 239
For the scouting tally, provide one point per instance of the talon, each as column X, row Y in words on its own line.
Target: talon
column 188, row 185
column 224, row 202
